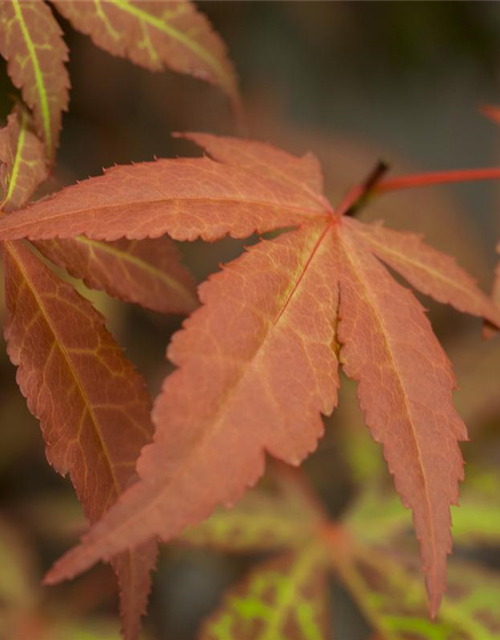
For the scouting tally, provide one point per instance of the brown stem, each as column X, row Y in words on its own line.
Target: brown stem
column 357, row 195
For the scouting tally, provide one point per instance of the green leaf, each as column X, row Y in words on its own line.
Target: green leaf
column 31, row 42
column 156, row 35
column 263, row 520
column 390, row 592
column 378, row 515
column 283, row 599
column 22, row 157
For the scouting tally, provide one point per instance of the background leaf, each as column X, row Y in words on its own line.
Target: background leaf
column 147, row 272
column 263, row 520
column 283, row 599
column 156, row 35
column 389, row 591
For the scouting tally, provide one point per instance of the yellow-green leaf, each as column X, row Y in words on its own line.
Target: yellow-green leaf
column 156, row 35
column 283, row 599
column 31, row 41
column 390, row 593
column 22, row 158
column 261, row 521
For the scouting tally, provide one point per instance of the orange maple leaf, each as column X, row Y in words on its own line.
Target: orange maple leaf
column 258, row 362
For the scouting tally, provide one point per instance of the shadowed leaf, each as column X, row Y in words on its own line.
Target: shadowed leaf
column 92, row 406
column 261, row 521
column 18, row 578
column 157, row 35
column 389, row 593
column 23, row 160
column 31, row 41
column 147, row 272
column 376, row 515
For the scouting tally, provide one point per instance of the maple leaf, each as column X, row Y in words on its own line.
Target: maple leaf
column 148, row 272
column 93, row 407
column 31, row 41
column 261, row 521
column 23, row 160
column 386, row 588
column 382, row 575
column 283, row 599
column 257, row 364
column 367, row 551
column 156, row 35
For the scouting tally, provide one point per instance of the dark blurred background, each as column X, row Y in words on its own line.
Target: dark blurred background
column 351, row 81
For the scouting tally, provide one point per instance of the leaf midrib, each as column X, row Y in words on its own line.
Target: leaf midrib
column 345, row 241
column 435, row 274
column 17, row 158
column 175, row 34
column 69, row 364
column 39, row 80
column 298, row 575
column 141, row 264
column 158, row 497
column 308, row 214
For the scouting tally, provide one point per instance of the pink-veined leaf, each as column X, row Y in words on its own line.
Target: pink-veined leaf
column 278, row 371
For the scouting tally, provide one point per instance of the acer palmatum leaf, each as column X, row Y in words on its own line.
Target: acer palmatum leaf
column 428, row 270
column 157, row 35
column 285, row 597
column 257, row 363
column 147, row 272
column 404, row 389
column 22, row 158
column 262, row 521
column 92, row 406
column 186, row 198
column 31, row 42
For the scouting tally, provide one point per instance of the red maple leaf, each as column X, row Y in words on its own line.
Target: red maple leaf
column 257, row 364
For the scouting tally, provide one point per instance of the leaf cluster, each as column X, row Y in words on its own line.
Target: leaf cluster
column 257, row 364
